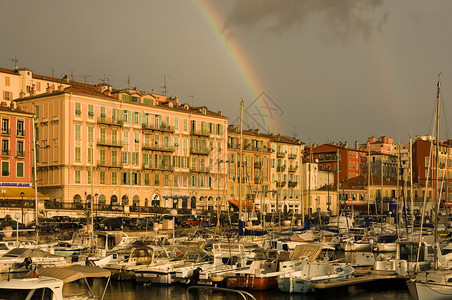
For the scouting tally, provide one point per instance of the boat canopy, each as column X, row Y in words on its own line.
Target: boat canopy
column 311, row 251
column 72, row 273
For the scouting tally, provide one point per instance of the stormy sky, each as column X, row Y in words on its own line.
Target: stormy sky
column 331, row 70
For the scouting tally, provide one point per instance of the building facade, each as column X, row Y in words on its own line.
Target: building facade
column 130, row 150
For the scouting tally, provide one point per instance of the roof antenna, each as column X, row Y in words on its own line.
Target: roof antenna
column 14, row 60
column 85, row 77
column 165, row 90
column 72, row 74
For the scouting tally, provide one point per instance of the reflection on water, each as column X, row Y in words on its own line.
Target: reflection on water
column 129, row 290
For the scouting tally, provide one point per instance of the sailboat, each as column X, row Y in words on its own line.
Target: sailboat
column 434, row 284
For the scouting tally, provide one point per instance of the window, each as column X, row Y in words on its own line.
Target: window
column 102, row 177
column 7, row 95
column 78, row 110
column 114, row 178
column 5, row 168
column 20, row 128
column 125, row 115
column 126, row 137
column 7, row 81
column 124, row 157
column 185, row 124
column 37, row 111
column 89, row 176
column 5, row 126
column 135, row 156
column 20, row 148
column 90, row 133
column 176, row 123
column 77, row 131
column 137, row 138
column 135, row 117
column 90, row 111
column 5, row 147
column 77, row 176
column 78, row 154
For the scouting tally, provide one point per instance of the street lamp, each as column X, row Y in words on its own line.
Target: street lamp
column 22, row 195
column 17, row 217
column 173, row 213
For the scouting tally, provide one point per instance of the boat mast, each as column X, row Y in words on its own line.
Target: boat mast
column 437, row 171
column 241, row 161
column 411, row 185
column 36, row 179
column 368, row 182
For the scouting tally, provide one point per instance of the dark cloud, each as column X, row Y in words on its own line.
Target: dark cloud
column 342, row 18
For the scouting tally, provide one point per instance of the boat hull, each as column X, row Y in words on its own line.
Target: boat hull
column 429, row 291
column 254, row 283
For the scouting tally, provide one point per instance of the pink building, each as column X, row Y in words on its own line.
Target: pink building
column 131, row 150
column 16, row 148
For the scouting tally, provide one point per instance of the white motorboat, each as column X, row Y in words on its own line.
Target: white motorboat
column 301, row 280
column 47, row 283
column 431, row 285
column 23, row 259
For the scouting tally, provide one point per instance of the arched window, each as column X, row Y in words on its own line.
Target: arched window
column 136, row 200
column 77, row 198
column 193, row 202
column 101, row 199
column 114, row 200
column 125, row 200
column 185, row 203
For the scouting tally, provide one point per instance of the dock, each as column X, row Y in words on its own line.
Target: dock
column 360, row 276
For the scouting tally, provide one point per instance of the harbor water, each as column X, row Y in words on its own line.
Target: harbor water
column 129, row 290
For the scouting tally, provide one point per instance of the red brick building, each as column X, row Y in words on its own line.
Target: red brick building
column 352, row 162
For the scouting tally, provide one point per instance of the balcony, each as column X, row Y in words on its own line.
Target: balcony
column 110, row 143
column 200, row 170
column 157, row 127
column 6, row 152
column 281, row 168
column 280, row 154
column 109, row 163
column 20, row 132
column 293, row 169
column 258, row 165
column 292, row 156
column 280, row 183
column 110, row 121
column 158, row 167
column 6, row 131
column 292, row 184
column 203, row 133
column 157, row 147
column 200, row 151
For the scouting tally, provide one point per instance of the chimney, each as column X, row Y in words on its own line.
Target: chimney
column 21, row 94
column 356, row 145
column 66, row 78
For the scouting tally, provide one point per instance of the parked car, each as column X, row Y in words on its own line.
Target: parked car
column 117, row 223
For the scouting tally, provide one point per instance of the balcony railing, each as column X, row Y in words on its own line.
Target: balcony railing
column 157, row 127
column 157, row 167
column 203, row 133
column 280, row 154
column 293, row 169
column 292, row 184
column 280, row 183
column 110, row 121
column 199, row 169
column 200, row 151
column 292, row 156
column 158, row 147
column 280, row 169
column 6, row 152
column 20, row 132
column 110, row 143
column 109, row 163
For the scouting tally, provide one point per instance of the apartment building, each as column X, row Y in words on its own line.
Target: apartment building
column 285, row 180
column 352, row 161
column 130, row 150
column 249, row 176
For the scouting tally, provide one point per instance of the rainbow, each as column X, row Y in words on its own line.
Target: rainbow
column 261, row 112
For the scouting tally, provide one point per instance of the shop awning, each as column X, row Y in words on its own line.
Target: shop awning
column 8, row 193
column 245, row 203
